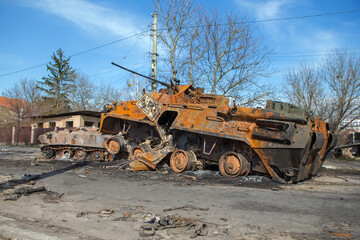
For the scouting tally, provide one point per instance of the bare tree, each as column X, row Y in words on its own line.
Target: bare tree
column 180, row 34
column 24, row 95
column 135, row 87
column 305, row 89
column 23, row 100
column 88, row 96
column 236, row 57
column 341, row 72
column 106, row 94
column 331, row 89
column 82, row 97
column 221, row 53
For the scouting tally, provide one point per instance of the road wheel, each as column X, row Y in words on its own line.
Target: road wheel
column 65, row 154
column 182, row 160
column 233, row 164
column 80, row 154
column 115, row 144
column 48, row 152
column 97, row 155
column 136, row 165
column 137, row 150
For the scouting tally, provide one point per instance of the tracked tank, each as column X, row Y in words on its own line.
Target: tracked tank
column 75, row 144
column 188, row 129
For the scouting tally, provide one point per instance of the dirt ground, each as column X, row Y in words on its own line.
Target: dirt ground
column 95, row 200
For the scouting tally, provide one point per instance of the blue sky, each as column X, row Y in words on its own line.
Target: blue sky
column 31, row 30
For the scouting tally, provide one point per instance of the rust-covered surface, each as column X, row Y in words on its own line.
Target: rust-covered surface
column 75, row 144
column 182, row 125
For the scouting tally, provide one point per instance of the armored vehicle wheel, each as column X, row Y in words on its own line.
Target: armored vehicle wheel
column 233, row 164
column 142, row 148
column 109, row 157
column 80, row 154
column 97, row 155
column 115, row 144
column 48, row 152
column 65, row 154
column 181, row 160
column 136, row 165
column 137, row 151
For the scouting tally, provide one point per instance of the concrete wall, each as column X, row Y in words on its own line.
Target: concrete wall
column 78, row 121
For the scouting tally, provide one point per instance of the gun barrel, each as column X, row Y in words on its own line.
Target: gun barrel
column 162, row 83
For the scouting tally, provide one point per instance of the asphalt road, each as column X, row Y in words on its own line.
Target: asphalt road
column 95, row 201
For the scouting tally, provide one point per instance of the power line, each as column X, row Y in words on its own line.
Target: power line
column 77, row 54
column 107, row 44
column 244, row 22
column 306, row 55
column 322, row 52
column 299, row 17
column 23, row 70
column 272, row 19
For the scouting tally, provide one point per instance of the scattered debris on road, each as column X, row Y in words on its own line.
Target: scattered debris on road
column 186, row 208
column 343, row 235
column 176, row 223
column 15, row 194
column 30, row 177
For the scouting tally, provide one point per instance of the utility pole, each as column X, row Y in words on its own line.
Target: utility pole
column 18, row 125
column 154, row 54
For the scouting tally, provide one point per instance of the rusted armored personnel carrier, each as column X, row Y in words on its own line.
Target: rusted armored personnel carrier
column 186, row 128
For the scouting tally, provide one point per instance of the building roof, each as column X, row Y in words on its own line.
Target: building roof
column 84, row 113
column 10, row 102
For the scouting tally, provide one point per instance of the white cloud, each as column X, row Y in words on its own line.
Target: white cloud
column 265, row 9
column 268, row 9
column 91, row 17
column 318, row 41
column 294, row 35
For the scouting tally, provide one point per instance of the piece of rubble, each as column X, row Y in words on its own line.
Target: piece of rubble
column 106, row 211
column 29, row 177
column 16, row 193
column 200, row 230
column 190, row 177
column 176, row 223
column 29, row 190
column 149, row 218
column 186, row 208
column 342, row 235
column 12, row 197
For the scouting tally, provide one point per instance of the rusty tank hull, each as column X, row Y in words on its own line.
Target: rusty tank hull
column 75, row 144
column 188, row 129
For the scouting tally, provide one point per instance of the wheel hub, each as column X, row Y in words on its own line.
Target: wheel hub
column 80, row 155
column 179, row 161
column 114, row 146
column 232, row 165
column 137, row 152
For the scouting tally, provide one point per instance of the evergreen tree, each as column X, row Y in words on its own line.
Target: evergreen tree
column 59, row 83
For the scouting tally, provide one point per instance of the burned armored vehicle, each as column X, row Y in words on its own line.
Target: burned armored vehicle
column 186, row 128
column 75, row 144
